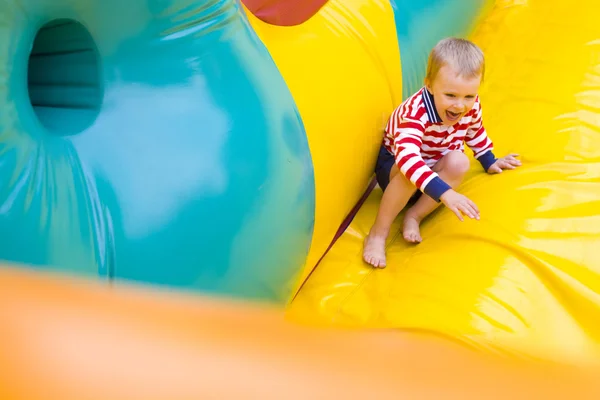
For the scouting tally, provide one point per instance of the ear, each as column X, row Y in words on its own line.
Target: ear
column 427, row 84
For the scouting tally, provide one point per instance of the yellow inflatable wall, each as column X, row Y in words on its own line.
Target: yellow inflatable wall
column 343, row 69
column 524, row 280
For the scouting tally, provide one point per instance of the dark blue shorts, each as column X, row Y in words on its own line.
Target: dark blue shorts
column 385, row 162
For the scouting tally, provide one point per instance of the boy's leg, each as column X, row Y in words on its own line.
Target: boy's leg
column 395, row 196
column 452, row 169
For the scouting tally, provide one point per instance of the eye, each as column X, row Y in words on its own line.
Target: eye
column 470, row 96
column 450, row 95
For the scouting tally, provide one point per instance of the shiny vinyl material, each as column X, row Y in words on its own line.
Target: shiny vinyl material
column 421, row 24
column 343, row 69
column 345, row 96
column 71, row 340
column 284, row 12
column 150, row 141
column 525, row 280
column 174, row 142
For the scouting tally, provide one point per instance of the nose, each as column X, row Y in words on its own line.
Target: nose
column 460, row 106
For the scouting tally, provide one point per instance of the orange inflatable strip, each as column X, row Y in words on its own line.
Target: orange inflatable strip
column 284, row 12
column 66, row 339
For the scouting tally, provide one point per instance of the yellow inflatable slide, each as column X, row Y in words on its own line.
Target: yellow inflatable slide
column 525, row 278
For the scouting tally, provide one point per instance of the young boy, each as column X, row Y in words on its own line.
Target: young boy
column 423, row 146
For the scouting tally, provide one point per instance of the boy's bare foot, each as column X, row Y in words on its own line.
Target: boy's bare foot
column 411, row 231
column 374, row 251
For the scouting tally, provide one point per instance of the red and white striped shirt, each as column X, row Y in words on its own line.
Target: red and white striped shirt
column 417, row 138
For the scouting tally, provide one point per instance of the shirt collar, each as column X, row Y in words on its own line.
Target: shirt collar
column 430, row 107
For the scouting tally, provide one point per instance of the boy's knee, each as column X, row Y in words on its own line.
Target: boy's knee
column 457, row 163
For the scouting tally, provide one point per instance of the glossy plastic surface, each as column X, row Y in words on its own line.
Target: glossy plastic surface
column 525, row 280
column 194, row 170
column 128, row 343
column 420, row 24
column 342, row 67
column 284, row 12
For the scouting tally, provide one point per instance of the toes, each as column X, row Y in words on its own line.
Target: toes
column 409, row 237
column 370, row 259
column 412, row 237
column 374, row 253
column 373, row 260
column 380, row 261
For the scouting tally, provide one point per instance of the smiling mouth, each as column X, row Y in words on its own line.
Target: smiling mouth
column 452, row 116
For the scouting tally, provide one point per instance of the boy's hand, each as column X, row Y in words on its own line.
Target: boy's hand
column 460, row 205
column 508, row 162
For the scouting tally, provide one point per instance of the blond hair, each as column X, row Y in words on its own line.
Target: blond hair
column 461, row 55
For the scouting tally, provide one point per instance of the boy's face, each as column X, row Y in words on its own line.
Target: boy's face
column 454, row 95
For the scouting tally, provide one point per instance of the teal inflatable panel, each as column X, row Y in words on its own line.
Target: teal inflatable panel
column 151, row 141
column 420, row 24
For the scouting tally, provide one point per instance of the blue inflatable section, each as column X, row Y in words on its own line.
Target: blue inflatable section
column 421, row 24
column 152, row 141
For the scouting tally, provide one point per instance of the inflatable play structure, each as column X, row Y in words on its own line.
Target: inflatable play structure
column 226, row 148
column 70, row 340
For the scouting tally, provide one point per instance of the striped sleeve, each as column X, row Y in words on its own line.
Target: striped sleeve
column 406, row 145
column 478, row 140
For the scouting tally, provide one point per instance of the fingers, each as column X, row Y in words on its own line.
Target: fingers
column 458, row 214
column 474, row 208
column 511, row 160
column 505, row 164
column 462, row 205
column 514, row 161
column 494, row 169
column 468, row 210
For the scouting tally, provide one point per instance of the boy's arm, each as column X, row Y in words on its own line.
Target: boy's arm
column 478, row 140
column 408, row 137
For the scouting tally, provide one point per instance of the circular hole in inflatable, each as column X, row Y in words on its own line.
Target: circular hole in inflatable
column 63, row 77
